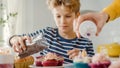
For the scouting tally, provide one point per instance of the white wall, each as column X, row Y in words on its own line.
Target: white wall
column 36, row 16
column 94, row 4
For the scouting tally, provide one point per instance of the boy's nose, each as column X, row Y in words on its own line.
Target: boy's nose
column 63, row 20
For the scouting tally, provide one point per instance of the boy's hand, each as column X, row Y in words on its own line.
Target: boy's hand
column 72, row 53
column 18, row 43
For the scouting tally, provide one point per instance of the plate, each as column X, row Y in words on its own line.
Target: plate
column 64, row 66
column 34, row 66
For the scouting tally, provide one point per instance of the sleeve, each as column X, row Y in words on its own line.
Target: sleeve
column 38, row 36
column 113, row 10
column 32, row 35
column 90, row 49
column 37, row 33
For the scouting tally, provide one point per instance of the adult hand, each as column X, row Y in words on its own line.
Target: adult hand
column 98, row 18
column 18, row 43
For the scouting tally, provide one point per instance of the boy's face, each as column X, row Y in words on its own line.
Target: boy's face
column 63, row 18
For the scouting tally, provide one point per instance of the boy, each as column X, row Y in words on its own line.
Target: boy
column 61, row 40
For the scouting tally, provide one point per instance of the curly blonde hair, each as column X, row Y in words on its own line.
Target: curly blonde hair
column 73, row 5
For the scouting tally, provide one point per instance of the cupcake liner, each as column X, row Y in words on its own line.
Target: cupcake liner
column 24, row 63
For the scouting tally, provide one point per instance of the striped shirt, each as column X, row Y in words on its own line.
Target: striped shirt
column 60, row 45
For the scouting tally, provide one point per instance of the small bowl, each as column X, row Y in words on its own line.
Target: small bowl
column 81, row 65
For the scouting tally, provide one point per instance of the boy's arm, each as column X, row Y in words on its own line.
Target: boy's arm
column 18, row 42
column 113, row 10
column 30, row 48
column 30, row 35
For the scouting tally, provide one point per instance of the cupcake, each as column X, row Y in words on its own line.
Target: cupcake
column 24, row 62
column 51, row 62
column 82, row 60
column 60, row 60
column 50, row 59
column 39, row 60
column 100, row 61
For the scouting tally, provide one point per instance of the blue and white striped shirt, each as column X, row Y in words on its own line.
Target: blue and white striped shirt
column 59, row 45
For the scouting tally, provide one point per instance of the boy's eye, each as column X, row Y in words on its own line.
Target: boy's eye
column 58, row 16
column 68, row 16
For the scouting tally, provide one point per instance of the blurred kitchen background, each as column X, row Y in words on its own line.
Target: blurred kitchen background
column 34, row 14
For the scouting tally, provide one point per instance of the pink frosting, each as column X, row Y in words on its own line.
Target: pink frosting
column 99, row 58
column 51, row 56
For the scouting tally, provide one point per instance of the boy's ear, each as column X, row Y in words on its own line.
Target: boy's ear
column 77, row 14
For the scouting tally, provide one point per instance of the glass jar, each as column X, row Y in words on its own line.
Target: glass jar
column 6, row 58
